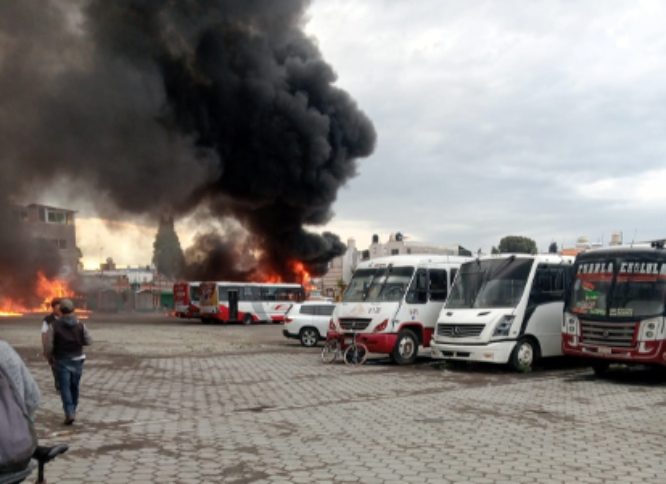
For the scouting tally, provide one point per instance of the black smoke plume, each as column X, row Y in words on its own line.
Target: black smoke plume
column 22, row 257
column 162, row 106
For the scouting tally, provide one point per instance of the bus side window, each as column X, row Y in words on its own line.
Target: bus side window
column 418, row 289
column 548, row 285
column 438, row 284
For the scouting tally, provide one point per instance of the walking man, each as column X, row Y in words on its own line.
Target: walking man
column 46, row 323
column 65, row 340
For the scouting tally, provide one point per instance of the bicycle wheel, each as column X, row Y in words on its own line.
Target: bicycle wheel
column 330, row 351
column 356, row 354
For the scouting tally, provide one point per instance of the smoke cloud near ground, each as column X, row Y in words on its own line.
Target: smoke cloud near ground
column 21, row 258
column 155, row 106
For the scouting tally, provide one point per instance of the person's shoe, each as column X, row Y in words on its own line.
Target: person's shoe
column 69, row 419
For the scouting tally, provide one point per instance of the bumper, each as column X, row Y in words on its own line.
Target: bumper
column 287, row 334
column 650, row 352
column 499, row 352
column 376, row 343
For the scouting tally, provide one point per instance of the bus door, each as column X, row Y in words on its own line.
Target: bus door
column 545, row 307
column 233, row 304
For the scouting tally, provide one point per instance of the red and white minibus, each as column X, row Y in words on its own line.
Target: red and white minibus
column 186, row 299
column 616, row 310
column 247, row 302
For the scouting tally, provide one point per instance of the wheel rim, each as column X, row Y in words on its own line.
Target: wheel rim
column 309, row 338
column 406, row 347
column 330, row 351
column 247, row 319
column 356, row 355
column 525, row 355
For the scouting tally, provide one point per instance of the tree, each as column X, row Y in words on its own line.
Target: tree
column 552, row 248
column 517, row 244
column 494, row 250
column 167, row 254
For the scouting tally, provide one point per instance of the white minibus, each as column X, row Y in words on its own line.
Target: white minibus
column 505, row 309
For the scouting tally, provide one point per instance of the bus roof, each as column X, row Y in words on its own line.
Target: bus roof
column 413, row 260
column 623, row 250
column 547, row 258
column 254, row 284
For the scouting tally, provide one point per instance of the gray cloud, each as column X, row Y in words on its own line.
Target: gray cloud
column 495, row 117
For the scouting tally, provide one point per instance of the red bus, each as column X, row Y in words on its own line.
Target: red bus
column 616, row 308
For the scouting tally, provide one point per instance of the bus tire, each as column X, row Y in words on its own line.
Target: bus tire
column 600, row 368
column 309, row 337
column 248, row 319
column 406, row 348
column 524, row 355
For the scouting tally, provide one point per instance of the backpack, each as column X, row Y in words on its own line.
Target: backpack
column 18, row 439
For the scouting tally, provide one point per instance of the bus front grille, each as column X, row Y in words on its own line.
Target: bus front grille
column 354, row 324
column 615, row 335
column 459, row 330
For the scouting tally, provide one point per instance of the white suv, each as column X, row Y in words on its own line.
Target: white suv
column 308, row 321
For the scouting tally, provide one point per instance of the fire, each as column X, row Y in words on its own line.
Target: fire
column 298, row 269
column 46, row 290
column 304, row 276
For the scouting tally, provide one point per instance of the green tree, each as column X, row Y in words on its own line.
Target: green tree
column 517, row 244
column 167, row 254
column 494, row 250
column 553, row 248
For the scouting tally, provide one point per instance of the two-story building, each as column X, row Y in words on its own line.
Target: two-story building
column 51, row 225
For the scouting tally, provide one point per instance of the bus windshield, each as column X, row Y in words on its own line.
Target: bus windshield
column 639, row 289
column 194, row 293
column 487, row 284
column 359, row 285
column 389, row 284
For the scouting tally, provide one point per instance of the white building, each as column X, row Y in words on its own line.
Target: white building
column 340, row 269
column 397, row 245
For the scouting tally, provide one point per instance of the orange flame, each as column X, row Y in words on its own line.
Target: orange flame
column 46, row 290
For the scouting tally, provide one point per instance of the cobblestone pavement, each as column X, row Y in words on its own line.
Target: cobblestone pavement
column 278, row 415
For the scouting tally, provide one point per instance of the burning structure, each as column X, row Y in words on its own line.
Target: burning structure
column 221, row 108
column 37, row 255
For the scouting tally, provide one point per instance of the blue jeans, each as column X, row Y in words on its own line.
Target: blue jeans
column 69, row 374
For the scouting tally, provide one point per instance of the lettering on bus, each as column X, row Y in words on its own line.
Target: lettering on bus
column 596, row 268
column 643, row 268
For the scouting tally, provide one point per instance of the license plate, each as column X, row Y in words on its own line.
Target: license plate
column 604, row 350
column 348, row 341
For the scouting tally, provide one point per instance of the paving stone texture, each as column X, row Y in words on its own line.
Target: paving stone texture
column 281, row 416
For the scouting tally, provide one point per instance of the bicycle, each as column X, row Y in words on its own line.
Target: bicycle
column 354, row 354
column 43, row 455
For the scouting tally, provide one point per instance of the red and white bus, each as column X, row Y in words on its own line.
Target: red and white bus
column 186, row 299
column 616, row 309
column 247, row 302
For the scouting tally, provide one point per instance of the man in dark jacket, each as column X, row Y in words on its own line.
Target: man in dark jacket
column 65, row 340
column 46, row 323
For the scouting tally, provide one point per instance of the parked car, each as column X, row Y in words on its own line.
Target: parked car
column 308, row 322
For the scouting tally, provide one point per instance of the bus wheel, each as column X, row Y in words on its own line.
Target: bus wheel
column 406, row 349
column 600, row 368
column 248, row 319
column 309, row 337
column 524, row 355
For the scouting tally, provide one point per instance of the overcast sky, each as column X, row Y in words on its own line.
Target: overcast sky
column 544, row 119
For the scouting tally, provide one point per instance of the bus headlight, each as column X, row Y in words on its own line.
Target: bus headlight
column 571, row 325
column 504, row 326
column 649, row 329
